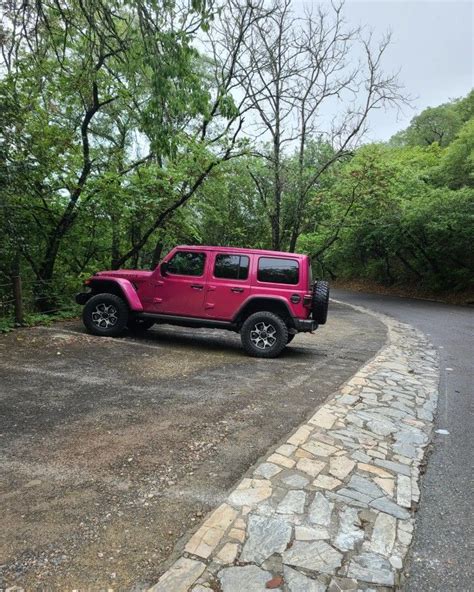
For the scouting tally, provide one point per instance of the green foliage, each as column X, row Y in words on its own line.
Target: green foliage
column 456, row 167
column 229, row 211
column 115, row 142
column 437, row 124
column 401, row 215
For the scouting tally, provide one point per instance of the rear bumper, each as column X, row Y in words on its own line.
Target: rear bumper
column 305, row 325
column 83, row 297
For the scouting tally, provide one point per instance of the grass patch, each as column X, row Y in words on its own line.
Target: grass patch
column 33, row 319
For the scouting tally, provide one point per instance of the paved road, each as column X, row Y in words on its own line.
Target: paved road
column 443, row 551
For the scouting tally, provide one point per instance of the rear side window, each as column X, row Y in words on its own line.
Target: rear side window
column 232, row 267
column 187, row 263
column 278, row 271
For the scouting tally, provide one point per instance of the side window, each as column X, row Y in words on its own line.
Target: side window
column 233, row 267
column 278, row 271
column 187, row 263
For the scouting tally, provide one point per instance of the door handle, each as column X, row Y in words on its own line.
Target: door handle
column 236, row 289
column 197, row 286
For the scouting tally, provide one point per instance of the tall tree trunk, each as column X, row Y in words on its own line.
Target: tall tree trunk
column 295, row 231
column 45, row 300
column 115, row 247
column 277, row 189
column 135, row 236
column 408, row 265
column 158, row 250
column 388, row 270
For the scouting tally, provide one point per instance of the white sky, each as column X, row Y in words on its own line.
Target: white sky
column 432, row 47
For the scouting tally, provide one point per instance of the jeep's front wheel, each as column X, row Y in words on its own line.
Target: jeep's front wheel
column 105, row 315
column 264, row 335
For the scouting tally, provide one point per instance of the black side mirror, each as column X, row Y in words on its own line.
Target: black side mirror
column 164, row 269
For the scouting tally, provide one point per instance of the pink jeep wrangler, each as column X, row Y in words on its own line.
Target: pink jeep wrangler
column 267, row 296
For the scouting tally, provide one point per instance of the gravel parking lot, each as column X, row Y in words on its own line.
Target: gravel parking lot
column 112, row 449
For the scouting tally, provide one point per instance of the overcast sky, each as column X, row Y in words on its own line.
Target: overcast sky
column 432, row 46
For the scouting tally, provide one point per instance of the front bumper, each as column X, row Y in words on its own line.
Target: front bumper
column 83, row 297
column 305, row 325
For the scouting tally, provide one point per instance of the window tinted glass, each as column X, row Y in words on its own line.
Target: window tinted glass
column 234, row 267
column 187, row 263
column 279, row 271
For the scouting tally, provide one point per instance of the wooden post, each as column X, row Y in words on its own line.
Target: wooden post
column 17, row 295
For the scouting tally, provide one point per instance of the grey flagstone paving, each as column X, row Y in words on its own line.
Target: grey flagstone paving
column 332, row 508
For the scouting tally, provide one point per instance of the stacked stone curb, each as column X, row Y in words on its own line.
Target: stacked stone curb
column 332, row 508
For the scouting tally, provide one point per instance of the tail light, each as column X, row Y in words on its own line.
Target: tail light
column 307, row 300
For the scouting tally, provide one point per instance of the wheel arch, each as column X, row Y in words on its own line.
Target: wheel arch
column 260, row 303
column 120, row 287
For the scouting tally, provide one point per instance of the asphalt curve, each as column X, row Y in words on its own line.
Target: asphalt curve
column 441, row 558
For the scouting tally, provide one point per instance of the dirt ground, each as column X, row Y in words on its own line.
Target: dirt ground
column 111, row 450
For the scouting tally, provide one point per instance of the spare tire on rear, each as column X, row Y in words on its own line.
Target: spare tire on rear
column 320, row 302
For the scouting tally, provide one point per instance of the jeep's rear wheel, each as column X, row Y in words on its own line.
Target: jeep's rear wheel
column 105, row 314
column 320, row 302
column 137, row 325
column 264, row 335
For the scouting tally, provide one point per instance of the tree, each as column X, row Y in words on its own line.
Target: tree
column 439, row 124
column 383, row 219
column 456, row 168
column 111, row 95
column 298, row 68
column 229, row 211
column 73, row 67
column 212, row 136
column 434, row 124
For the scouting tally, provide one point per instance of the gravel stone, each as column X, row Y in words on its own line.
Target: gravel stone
column 389, row 507
column 349, row 533
column 292, row 503
column 341, row 466
column 355, row 495
column 404, row 491
column 295, row 480
column 267, row 470
column 342, row 585
column 180, row 576
column 311, row 533
column 259, row 490
column 249, row 578
column 365, row 486
column 320, row 510
column 297, row 582
column 317, row 556
column 371, row 568
column 383, row 535
column 393, row 466
column 326, row 482
column 310, row 466
column 265, row 536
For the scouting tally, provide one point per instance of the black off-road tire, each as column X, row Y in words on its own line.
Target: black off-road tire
column 320, row 302
column 264, row 335
column 114, row 311
column 138, row 325
column 291, row 336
